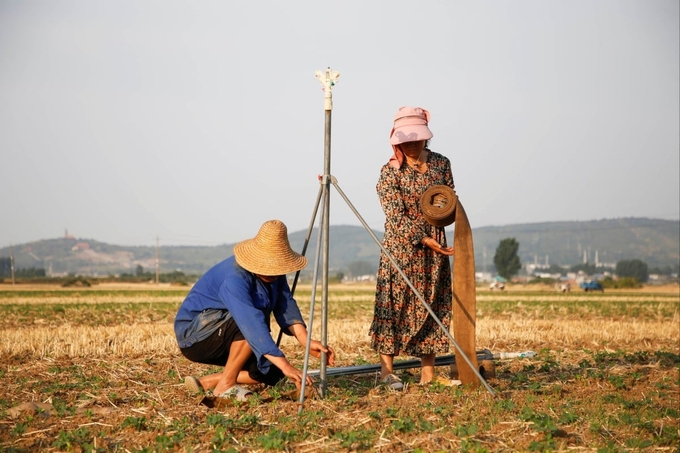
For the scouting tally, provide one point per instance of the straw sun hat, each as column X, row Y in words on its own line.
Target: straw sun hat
column 269, row 252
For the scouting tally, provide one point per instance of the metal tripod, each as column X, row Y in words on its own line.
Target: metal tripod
column 328, row 81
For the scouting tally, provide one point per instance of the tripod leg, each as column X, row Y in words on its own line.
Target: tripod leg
column 305, row 367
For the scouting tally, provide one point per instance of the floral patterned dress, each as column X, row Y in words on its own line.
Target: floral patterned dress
column 401, row 323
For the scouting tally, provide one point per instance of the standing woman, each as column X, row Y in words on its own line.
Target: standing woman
column 401, row 323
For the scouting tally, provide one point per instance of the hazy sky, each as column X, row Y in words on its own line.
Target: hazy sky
column 197, row 121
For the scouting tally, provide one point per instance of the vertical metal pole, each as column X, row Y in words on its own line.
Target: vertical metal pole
column 324, row 251
column 328, row 80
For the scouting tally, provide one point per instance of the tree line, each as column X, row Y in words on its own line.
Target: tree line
column 140, row 275
column 28, row 272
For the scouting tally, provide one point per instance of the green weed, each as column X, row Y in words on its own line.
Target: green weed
column 136, row 423
column 277, row 439
column 67, row 440
column 361, row 439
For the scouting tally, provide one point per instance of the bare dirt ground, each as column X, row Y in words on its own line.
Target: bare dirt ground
column 601, row 381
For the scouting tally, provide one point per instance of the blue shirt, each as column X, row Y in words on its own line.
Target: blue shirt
column 228, row 290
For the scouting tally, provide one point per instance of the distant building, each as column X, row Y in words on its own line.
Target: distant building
column 483, row 276
column 359, row 278
column 80, row 246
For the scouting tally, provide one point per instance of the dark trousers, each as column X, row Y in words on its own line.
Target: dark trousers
column 214, row 350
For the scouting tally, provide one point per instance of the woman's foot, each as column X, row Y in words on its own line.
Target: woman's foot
column 424, row 380
column 441, row 380
column 427, row 369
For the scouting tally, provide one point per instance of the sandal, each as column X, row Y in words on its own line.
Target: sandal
column 193, row 384
column 392, row 382
column 237, row 392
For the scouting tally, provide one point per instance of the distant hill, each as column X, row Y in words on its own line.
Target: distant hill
column 655, row 241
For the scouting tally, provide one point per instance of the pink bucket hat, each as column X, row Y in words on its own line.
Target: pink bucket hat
column 410, row 125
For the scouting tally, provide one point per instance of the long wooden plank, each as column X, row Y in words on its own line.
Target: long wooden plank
column 464, row 298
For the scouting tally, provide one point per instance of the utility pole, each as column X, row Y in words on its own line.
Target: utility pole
column 157, row 261
column 11, row 261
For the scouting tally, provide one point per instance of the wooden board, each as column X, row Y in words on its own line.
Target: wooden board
column 464, row 298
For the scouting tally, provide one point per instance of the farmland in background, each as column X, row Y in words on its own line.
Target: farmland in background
column 98, row 369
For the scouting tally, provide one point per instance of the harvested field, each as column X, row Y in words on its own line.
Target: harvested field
column 98, row 369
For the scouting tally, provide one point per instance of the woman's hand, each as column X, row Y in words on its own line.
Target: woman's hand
column 436, row 247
